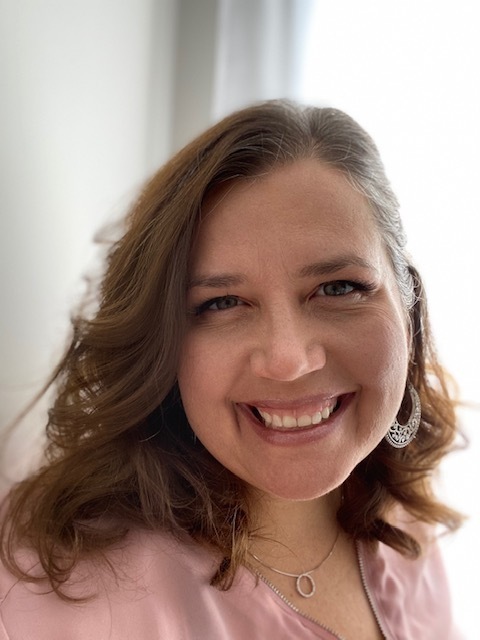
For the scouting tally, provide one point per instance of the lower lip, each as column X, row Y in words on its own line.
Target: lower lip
column 292, row 437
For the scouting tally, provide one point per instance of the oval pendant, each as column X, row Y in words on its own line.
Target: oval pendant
column 308, row 577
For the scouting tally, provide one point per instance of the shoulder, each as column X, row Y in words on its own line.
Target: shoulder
column 411, row 595
column 147, row 575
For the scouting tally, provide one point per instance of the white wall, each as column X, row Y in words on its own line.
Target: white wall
column 95, row 96
column 82, row 123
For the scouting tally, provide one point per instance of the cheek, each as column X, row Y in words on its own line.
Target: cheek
column 388, row 346
column 191, row 363
column 386, row 330
column 385, row 357
column 374, row 349
column 202, row 376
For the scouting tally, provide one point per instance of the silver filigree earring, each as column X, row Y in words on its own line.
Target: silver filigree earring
column 400, row 435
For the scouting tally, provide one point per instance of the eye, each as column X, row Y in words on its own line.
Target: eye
column 222, row 303
column 338, row 288
column 342, row 288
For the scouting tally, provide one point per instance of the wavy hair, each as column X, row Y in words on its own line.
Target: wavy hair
column 120, row 449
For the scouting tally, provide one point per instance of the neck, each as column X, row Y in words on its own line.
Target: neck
column 294, row 532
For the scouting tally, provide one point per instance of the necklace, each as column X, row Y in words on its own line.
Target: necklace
column 306, row 575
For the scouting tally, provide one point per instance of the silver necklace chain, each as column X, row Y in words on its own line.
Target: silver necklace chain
column 305, row 575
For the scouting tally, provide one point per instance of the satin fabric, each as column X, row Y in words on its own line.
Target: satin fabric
column 162, row 592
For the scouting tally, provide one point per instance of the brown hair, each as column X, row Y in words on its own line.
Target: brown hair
column 119, row 445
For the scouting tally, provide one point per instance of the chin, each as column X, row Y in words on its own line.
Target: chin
column 301, row 489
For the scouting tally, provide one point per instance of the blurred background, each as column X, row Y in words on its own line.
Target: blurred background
column 96, row 94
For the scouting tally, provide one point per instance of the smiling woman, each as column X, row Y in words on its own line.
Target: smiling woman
column 221, row 435
column 309, row 325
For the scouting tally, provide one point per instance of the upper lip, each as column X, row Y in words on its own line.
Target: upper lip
column 282, row 404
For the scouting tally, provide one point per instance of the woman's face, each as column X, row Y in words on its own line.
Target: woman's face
column 295, row 359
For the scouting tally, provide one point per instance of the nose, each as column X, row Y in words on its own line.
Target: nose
column 288, row 348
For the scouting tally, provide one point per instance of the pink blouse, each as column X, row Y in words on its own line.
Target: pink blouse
column 162, row 592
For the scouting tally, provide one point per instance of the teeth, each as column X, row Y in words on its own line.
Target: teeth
column 267, row 418
column 277, row 421
column 289, row 422
column 304, row 421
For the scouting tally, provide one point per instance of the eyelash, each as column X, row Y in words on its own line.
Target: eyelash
column 358, row 286
column 205, row 306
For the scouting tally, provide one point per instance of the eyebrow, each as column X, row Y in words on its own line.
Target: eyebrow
column 332, row 266
column 222, row 280
column 321, row 268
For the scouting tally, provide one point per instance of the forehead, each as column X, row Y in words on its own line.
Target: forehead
column 295, row 211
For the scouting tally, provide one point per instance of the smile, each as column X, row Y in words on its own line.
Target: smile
column 295, row 419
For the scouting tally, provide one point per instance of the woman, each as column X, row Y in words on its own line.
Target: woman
column 245, row 430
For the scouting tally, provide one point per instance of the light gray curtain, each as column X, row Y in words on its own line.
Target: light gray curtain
column 259, row 42
column 230, row 53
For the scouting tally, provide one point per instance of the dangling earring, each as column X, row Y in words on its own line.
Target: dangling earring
column 400, row 435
